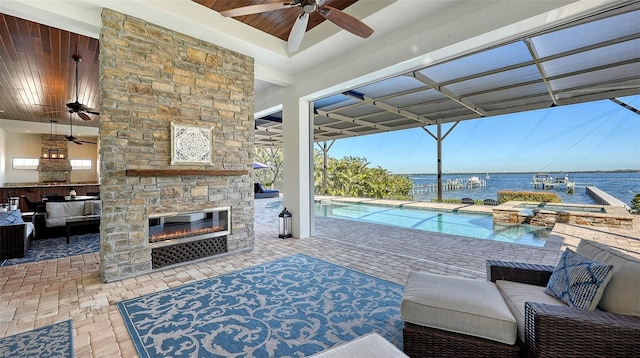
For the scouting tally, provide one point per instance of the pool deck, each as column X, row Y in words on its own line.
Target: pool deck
column 41, row 293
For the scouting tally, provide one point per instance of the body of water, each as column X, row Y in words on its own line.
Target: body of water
column 622, row 186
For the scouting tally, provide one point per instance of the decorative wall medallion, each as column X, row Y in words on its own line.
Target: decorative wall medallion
column 190, row 144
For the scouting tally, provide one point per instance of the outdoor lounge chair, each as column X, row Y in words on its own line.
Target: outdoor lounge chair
column 261, row 193
column 467, row 201
column 491, row 202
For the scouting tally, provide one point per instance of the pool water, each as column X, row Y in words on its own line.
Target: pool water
column 478, row 226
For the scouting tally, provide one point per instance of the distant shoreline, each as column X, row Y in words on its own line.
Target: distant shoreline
column 551, row 171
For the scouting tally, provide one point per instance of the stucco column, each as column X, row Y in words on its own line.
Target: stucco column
column 297, row 151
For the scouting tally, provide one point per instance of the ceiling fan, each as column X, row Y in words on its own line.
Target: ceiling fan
column 73, row 139
column 77, row 107
column 345, row 21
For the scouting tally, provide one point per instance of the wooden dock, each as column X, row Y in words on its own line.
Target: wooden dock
column 545, row 181
column 449, row 185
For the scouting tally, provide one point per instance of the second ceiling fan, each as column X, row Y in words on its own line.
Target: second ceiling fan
column 345, row 21
column 72, row 138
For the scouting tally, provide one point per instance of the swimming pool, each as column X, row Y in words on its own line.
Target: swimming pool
column 478, row 226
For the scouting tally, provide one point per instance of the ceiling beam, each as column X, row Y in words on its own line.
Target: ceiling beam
column 433, row 84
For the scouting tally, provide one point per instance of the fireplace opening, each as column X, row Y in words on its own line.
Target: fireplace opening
column 166, row 228
column 181, row 237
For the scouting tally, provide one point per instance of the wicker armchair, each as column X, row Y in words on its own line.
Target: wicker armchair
column 15, row 240
column 557, row 331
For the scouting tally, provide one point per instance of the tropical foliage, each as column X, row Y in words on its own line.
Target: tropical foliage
column 635, row 204
column 352, row 176
column 349, row 176
column 270, row 177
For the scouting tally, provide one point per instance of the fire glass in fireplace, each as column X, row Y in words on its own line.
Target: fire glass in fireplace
column 188, row 226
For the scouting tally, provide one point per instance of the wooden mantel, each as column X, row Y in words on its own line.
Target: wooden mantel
column 178, row 172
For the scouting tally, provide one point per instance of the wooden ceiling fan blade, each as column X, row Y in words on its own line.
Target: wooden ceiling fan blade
column 297, row 32
column 255, row 9
column 84, row 116
column 346, row 21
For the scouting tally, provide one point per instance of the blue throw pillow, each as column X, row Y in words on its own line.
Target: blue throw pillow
column 579, row 281
column 11, row 217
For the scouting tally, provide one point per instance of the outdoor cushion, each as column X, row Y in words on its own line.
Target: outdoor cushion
column 622, row 294
column 371, row 345
column 515, row 294
column 65, row 209
column 579, row 281
column 11, row 217
column 455, row 304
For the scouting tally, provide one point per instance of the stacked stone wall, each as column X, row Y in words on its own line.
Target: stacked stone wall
column 152, row 77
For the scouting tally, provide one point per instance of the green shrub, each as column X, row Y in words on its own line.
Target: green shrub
column 635, row 204
column 509, row 195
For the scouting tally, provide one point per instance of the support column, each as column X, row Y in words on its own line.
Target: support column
column 297, row 154
column 439, row 140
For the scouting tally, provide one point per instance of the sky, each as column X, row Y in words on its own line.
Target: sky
column 590, row 136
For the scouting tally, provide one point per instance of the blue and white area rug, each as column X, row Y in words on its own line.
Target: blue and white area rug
column 292, row 307
column 50, row 341
column 55, row 248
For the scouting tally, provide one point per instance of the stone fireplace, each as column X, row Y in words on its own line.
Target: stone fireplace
column 152, row 77
column 54, row 165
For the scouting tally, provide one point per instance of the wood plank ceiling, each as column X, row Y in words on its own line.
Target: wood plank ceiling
column 277, row 23
column 37, row 72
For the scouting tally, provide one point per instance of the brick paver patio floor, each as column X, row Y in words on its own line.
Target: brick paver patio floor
column 38, row 294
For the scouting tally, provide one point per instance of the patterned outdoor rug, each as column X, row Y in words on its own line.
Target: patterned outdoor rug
column 291, row 307
column 50, row 341
column 56, row 248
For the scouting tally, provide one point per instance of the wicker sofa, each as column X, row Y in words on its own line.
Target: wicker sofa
column 15, row 237
column 52, row 222
column 556, row 330
column 546, row 326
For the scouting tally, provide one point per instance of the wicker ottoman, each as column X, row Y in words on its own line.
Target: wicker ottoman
column 450, row 316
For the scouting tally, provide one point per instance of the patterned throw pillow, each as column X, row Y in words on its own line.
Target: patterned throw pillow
column 11, row 217
column 579, row 281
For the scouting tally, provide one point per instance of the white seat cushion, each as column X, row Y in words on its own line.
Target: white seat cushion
column 515, row 294
column 622, row 294
column 461, row 305
column 63, row 209
column 370, row 346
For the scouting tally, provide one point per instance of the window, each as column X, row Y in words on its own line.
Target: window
column 80, row 164
column 24, row 163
